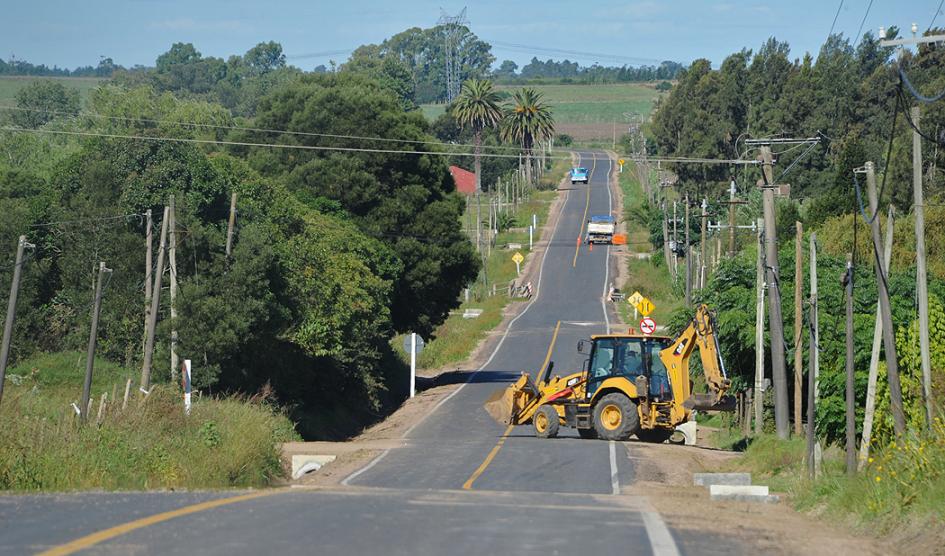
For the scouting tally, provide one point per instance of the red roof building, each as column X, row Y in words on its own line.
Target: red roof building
column 464, row 180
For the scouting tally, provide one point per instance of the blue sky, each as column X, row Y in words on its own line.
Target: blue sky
column 71, row 33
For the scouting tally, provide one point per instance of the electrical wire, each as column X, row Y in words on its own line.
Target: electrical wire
column 256, row 129
column 859, row 38
column 834, row 24
column 916, row 128
column 919, row 96
column 938, row 10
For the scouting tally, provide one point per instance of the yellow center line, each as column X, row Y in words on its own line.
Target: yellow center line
column 587, row 205
column 495, row 449
column 108, row 534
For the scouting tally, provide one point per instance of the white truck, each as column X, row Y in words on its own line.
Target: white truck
column 600, row 229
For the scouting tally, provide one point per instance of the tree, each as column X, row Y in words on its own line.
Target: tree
column 42, row 101
column 528, row 121
column 264, row 57
column 506, row 70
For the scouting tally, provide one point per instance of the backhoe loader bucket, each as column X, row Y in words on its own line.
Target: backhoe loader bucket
column 506, row 405
column 710, row 402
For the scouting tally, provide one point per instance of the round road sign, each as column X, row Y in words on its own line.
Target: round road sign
column 420, row 344
column 647, row 325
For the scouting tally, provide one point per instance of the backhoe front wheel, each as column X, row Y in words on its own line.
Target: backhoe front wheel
column 545, row 422
column 615, row 417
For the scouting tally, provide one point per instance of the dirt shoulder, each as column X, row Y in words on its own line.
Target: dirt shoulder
column 664, row 475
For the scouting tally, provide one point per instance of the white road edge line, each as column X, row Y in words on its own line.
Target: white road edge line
column 610, row 209
column 661, row 541
column 541, row 269
column 614, row 479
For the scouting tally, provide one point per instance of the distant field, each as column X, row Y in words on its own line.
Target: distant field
column 9, row 85
column 587, row 111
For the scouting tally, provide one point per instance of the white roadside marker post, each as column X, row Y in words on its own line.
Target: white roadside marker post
column 413, row 364
column 185, row 375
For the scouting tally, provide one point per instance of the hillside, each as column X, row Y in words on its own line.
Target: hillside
column 10, row 84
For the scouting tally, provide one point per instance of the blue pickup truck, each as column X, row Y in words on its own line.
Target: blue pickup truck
column 578, row 175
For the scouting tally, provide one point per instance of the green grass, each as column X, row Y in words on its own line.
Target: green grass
column 150, row 444
column 458, row 337
column 903, row 484
column 586, row 104
column 652, row 279
column 9, row 85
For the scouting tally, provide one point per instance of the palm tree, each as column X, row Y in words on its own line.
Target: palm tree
column 477, row 107
column 528, row 121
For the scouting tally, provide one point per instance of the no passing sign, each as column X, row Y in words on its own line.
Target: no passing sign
column 647, row 325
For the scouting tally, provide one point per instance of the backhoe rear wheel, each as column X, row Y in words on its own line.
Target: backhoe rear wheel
column 615, row 417
column 545, row 422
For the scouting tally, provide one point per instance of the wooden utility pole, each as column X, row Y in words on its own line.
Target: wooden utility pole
column 667, row 254
column 759, row 334
column 731, row 219
column 148, row 263
column 889, row 338
column 21, row 244
column 231, row 223
column 93, row 338
column 874, row 354
column 812, row 358
column 675, row 244
column 688, row 258
column 798, row 324
column 847, row 281
column 155, row 305
column 172, row 260
column 776, row 323
column 922, row 286
column 702, row 237
column 815, row 319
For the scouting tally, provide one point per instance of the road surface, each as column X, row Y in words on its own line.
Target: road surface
column 461, row 485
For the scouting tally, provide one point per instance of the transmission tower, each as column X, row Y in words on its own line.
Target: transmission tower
column 452, row 31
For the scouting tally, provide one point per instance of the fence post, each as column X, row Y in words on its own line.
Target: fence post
column 93, row 337
column 11, row 310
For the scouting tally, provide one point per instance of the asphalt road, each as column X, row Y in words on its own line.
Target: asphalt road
column 462, row 485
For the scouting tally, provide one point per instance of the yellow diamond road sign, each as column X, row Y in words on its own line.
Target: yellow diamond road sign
column 518, row 258
column 620, row 162
column 635, row 299
column 645, row 307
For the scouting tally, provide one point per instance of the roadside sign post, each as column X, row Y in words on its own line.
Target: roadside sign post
column 185, row 376
column 518, row 258
column 413, row 345
column 635, row 300
column 647, row 325
column 620, row 162
column 531, row 230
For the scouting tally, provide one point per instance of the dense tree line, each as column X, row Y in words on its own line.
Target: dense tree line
column 568, row 71
column 848, row 96
column 105, row 68
column 335, row 252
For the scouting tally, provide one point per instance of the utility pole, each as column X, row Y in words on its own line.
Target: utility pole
column 231, row 223
column 667, row 253
column 148, row 262
column 922, row 286
column 688, row 258
column 702, row 238
column 759, row 333
column 922, row 291
column 675, row 244
column 889, row 339
column 155, row 305
column 93, row 337
column 731, row 218
column 776, row 323
column 815, row 319
column 798, row 324
column 172, row 259
column 812, row 361
column 451, row 33
column 847, row 281
column 21, row 244
column 874, row 354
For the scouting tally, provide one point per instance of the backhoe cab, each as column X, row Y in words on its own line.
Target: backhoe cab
column 631, row 384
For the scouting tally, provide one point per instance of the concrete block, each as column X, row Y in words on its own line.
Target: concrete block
column 741, row 493
column 689, row 431
column 709, row 479
column 306, row 463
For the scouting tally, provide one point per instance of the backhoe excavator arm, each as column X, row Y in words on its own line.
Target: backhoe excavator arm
column 700, row 333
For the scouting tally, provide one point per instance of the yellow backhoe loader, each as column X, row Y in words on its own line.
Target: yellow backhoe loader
column 630, row 384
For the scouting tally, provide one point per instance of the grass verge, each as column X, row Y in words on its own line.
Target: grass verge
column 150, row 444
column 901, row 488
column 457, row 338
column 650, row 277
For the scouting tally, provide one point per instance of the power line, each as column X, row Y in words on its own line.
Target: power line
column 832, row 25
column 938, row 10
column 593, row 55
column 252, row 144
column 863, row 22
column 256, row 129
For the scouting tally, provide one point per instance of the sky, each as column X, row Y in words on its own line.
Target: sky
column 67, row 33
